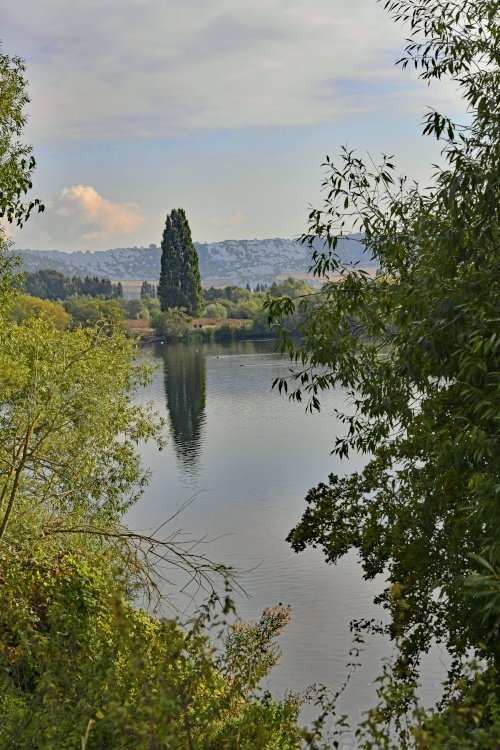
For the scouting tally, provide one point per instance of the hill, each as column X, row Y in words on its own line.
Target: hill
column 236, row 261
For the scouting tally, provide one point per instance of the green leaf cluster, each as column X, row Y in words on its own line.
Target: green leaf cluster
column 68, row 429
column 16, row 159
column 80, row 667
column 174, row 323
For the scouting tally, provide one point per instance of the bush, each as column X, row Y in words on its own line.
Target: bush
column 78, row 664
column 216, row 310
column 174, row 323
column 89, row 311
column 25, row 307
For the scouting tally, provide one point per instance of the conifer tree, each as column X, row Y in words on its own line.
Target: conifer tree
column 147, row 290
column 180, row 284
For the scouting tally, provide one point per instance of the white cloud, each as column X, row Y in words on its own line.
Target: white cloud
column 78, row 217
column 129, row 68
column 92, row 217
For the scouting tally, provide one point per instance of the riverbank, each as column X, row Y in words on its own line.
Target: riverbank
column 204, row 329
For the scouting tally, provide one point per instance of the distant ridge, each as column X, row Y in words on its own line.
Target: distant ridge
column 238, row 261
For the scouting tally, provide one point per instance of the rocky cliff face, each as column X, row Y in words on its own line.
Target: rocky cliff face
column 235, row 261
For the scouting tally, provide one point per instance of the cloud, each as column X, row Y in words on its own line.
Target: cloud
column 136, row 68
column 237, row 219
column 79, row 218
column 93, row 217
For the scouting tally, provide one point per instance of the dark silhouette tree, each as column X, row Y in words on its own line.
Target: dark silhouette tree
column 180, row 284
column 50, row 284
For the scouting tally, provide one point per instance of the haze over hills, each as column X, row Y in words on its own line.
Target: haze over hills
column 234, row 261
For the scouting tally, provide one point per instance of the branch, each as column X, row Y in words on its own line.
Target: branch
column 146, row 554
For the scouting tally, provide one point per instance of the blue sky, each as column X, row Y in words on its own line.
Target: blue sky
column 226, row 108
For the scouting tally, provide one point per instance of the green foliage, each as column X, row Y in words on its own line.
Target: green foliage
column 132, row 308
column 134, row 682
column 216, row 310
column 417, row 352
column 217, row 293
column 16, row 160
column 300, row 296
column 16, row 164
column 9, row 264
column 25, row 306
column 91, row 311
column 144, row 308
column 290, row 287
column 79, row 665
column 245, row 641
column 174, row 323
column 152, row 304
column 471, row 720
column 243, row 304
column 50, row 284
column 180, row 284
column 144, row 314
column 67, row 428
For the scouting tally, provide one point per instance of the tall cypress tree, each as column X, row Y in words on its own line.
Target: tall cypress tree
column 180, row 284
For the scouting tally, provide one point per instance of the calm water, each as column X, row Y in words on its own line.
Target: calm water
column 249, row 455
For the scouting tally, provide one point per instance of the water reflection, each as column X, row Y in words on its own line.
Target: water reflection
column 255, row 455
column 185, row 385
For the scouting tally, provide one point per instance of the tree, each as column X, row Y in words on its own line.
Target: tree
column 25, row 306
column 16, row 160
column 16, row 163
column 174, row 323
column 94, row 286
column 147, row 289
column 91, row 311
column 80, row 664
column 49, row 284
column 216, row 310
column 180, row 284
column 417, row 351
column 132, row 308
column 68, row 429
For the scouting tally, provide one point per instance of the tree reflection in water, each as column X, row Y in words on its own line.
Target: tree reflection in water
column 185, row 378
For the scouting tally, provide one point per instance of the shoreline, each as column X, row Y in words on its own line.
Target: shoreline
column 145, row 340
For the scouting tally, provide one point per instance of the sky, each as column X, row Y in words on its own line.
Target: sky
column 226, row 108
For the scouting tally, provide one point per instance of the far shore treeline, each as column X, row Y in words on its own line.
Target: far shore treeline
column 225, row 312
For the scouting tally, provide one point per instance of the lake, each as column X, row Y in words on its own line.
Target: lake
column 249, row 455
